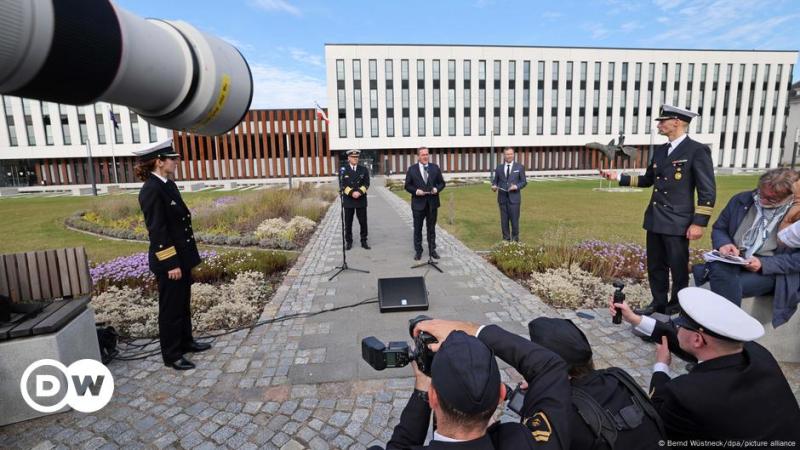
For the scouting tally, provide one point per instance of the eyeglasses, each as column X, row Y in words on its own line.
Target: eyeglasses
column 692, row 329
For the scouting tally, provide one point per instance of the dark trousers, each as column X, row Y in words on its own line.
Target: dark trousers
column 509, row 213
column 733, row 282
column 174, row 315
column 361, row 213
column 428, row 215
column 665, row 254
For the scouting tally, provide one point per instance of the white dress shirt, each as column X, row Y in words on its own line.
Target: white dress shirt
column 159, row 177
column 674, row 144
column 422, row 172
column 790, row 235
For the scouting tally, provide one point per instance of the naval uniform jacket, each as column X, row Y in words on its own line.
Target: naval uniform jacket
column 740, row 396
column 169, row 225
column 674, row 178
column 546, row 408
column 354, row 180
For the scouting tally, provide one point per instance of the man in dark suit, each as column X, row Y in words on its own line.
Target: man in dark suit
column 508, row 181
column 424, row 181
column 464, row 390
column 353, row 184
column 172, row 254
column 737, row 391
column 672, row 218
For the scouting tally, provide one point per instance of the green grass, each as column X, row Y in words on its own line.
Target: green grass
column 567, row 209
column 37, row 223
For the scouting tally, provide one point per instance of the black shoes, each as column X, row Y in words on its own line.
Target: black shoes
column 434, row 255
column 672, row 308
column 649, row 310
column 180, row 364
column 349, row 245
column 417, row 256
column 197, row 347
column 366, row 246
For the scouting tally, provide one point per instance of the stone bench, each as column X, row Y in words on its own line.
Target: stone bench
column 194, row 187
column 783, row 342
column 43, row 315
column 78, row 191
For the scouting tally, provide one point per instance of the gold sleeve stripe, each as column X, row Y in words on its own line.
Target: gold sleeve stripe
column 363, row 189
column 347, row 190
column 166, row 253
column 634, row 181
column 705, row 210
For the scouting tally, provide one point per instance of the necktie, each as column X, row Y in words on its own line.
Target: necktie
column 508, row 170
column 425, row 174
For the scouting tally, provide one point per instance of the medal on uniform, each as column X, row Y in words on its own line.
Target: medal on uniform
column 678, row 175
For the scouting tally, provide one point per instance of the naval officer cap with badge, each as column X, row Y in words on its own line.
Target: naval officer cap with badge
column 465, row 389
column 737, row 390
column 172, row 253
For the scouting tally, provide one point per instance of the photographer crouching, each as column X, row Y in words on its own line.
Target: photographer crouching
column 464, row 390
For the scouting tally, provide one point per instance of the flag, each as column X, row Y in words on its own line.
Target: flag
column 113, row 119
column 321, row 112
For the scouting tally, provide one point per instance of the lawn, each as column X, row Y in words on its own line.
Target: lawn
column 37, row 223
column 567, row 209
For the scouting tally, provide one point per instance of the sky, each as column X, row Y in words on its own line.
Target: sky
column 283, row 40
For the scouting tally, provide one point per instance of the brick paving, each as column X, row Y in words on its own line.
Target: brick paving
column 300, row 383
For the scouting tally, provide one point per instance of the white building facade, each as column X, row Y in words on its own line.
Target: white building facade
column 44, row 143
column 467, row 102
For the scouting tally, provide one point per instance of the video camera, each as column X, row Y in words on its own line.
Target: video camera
column 398, row 353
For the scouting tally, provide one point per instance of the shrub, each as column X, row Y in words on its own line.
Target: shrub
column 576, row 288
column 237, row 303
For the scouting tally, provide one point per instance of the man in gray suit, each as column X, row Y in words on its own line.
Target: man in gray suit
column 508, row 181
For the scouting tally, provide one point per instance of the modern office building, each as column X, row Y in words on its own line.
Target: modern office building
column 792, row 141
column 43, row 143
column 464, row 102
column 467, row 102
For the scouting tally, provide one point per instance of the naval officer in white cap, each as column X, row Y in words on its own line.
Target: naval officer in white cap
column 172, row 254
column 673, row 218
column 736, row 391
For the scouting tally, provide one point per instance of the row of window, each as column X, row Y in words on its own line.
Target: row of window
column 56, row 116
column 642, row 73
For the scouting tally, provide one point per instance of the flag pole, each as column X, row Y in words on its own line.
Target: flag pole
column 113, row 137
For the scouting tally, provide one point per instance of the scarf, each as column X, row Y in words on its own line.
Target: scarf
column 767, row 218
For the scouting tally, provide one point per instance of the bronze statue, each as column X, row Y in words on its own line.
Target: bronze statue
column 611, row 149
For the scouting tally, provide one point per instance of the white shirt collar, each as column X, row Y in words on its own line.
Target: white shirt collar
column 677, row 141
column 159, row 177
column 440, row 438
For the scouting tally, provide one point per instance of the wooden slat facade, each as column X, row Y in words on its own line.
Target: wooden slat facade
column 259, row 147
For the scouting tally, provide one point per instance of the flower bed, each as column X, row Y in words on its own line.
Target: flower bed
column 578, row 275
column 228, row 220
column 230, row 290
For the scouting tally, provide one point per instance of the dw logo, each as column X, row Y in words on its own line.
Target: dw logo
column 86, row 385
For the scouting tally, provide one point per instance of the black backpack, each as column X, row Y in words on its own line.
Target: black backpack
column 107, row 340
column 605, row 424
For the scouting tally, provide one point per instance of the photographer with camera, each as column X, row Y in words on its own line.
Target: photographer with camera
column 736, row 391
column 464, row 391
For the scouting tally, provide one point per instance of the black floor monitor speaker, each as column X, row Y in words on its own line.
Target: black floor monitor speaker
column 402, row 294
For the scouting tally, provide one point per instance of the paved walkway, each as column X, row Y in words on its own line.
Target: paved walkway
column 301, row 383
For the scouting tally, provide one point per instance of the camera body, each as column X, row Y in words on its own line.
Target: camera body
column 619, row 297
column 515, row 398
column 398, row 353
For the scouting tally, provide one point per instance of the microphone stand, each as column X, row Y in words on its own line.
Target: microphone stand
column 344, row 265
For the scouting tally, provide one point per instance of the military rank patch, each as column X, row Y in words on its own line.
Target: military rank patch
column 539, row 426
